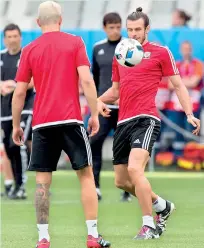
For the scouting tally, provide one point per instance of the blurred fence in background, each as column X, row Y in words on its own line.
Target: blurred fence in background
column 171, row 38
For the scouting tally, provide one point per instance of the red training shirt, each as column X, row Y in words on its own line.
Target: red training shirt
column 139, row 84
column 52, row 61
column 163, row 95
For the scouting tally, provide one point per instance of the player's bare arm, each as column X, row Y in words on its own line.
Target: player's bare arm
column 109, row 97
column 185, row 101
column 89, row 90
column 18, row 102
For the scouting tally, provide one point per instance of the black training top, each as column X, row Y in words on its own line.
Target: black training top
column 103, row 54
column 9, row 65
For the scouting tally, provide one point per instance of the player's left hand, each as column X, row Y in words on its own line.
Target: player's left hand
column 18, row 136
column 194, row 122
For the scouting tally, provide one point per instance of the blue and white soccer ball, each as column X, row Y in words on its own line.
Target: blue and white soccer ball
column 129, row 52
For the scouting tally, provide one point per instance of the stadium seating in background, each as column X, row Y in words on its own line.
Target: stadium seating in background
column 193, row 158
column 88, row 14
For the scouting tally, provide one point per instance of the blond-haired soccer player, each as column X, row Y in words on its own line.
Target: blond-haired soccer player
column 56, row 61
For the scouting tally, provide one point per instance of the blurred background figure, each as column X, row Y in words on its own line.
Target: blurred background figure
column 17, row 156
column 191, row 71
column 103, row 53
column 180, row 18
column 6, row 170
column 162, row 103
column 4, row 160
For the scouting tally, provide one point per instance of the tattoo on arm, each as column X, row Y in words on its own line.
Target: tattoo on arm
column 42, row 203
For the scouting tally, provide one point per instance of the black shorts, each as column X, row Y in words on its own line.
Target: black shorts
column 141, row 132
column 49, row 142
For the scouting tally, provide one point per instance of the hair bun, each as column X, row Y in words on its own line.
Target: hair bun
column 188, row 17
column 139, row 9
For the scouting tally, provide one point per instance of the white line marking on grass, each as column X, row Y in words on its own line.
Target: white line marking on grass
column 56, row 202
column 181, row 175
column 62, row 202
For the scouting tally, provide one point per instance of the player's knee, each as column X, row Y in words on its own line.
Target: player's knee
column 119, row 183
column 44, row 178
column 85, row 173
column 135, row 172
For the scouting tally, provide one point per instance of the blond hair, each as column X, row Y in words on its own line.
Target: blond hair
column 49, row 12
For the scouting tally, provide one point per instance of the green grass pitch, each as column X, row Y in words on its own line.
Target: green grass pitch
column 118, row 222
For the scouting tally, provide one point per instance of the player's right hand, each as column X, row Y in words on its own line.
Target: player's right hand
column 103, row 109
column 194, row 122
column 93, row 125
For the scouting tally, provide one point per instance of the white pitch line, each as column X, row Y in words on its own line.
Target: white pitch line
column 181, row 175
column 54, row 202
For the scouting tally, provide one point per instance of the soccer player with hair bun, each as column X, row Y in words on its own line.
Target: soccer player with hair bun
column 139, row 122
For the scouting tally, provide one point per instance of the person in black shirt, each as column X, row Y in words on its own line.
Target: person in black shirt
column 103, row 53
column 9, row 61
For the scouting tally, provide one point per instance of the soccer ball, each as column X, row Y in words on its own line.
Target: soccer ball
column 129, row 52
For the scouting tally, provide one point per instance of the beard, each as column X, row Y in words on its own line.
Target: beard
column 141, row 39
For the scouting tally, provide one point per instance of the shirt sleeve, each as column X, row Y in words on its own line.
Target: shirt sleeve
column 168, row 63
column 95, row 69
column 115, row 71
column 81, row 56
column 24, row 72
